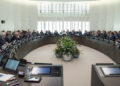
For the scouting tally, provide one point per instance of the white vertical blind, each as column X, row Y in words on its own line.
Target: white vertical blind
column 63, row 25
column 67, row 12
column 63, row 7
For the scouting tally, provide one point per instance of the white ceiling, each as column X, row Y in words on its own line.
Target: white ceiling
column 34, row 2
column 65, row 0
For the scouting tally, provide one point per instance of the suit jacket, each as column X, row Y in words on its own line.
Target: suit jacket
column 3, row 40
column 112, row 38
column 16, row 38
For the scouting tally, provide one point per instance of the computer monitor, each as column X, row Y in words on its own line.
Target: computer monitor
column 111, row 71
column 12, row 64
column 41, row 70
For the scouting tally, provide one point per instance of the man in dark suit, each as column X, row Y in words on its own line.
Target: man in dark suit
column 63, row 33
column 119, row 34
column 48, row 33
column 85, row 33
column 34, row 33
column 56, row 33
column 78, row 33
column 112, row 36
column 103, row 35
column 42, row 33
column 9, row 36
column 73, row 33
column 16, row 36
column 68, row 33
column 3, row 39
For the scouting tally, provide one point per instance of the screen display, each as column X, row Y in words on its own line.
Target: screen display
column 41, row 70
column 12, row 64
column 111, row 71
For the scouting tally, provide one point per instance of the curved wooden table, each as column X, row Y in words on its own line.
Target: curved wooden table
column 108, row 49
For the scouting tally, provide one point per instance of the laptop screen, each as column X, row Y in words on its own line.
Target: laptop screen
column 41, row 70
column 12, row 64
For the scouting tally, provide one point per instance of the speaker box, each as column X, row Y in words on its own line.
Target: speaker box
column 2, row 21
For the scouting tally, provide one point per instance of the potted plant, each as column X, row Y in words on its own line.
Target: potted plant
column 58, row 53
column 66, row 48
column 76, row 53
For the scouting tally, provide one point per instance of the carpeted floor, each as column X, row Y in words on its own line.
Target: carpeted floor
column 78, row 71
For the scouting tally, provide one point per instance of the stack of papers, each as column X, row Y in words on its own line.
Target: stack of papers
column 6, row 77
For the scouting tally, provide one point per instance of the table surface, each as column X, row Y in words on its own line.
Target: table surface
column 45, row 80
column 103, row 46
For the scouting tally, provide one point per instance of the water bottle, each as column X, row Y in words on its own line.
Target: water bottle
column 28, row 70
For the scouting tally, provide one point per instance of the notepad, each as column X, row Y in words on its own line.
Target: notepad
column 5, row 77
column 111, row 71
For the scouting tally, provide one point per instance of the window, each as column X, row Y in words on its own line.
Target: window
column 72, row 15
column 63, row 7
column 63, row 25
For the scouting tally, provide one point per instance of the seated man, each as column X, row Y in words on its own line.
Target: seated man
column 73, row 32
column 119, row 34
column 103, row 35
column 98, row 34
column 29, row 34
column 116, row 34
column 56, row 33
column 24, row 34
column 9, row 36
column 34, row 33
column 48, row 33
column 16, row 36
column 3, row 40
column 63, row 33
column 41, row 33
column 85, row 33
column 92, row 34
column 79, row 33
column 117, row 41
column 68, row 33
column 112, row 36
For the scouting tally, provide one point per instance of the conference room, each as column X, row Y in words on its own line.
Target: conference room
column 59, row 43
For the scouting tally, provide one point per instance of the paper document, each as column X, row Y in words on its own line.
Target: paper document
column 5, row 77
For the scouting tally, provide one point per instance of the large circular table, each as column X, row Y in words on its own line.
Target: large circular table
column 108, row 49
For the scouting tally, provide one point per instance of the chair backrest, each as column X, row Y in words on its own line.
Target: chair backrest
column 1, row 58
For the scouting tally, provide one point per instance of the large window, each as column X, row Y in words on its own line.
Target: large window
column 63, row 7
column 63, row 16
column 63, row 25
